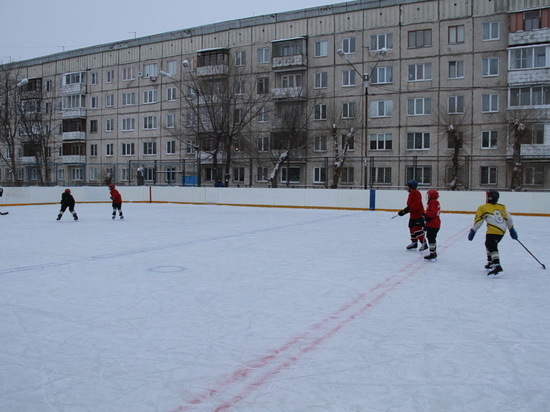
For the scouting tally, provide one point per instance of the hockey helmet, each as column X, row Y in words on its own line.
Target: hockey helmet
column 111, row 186
column 492, row 196
column 67, row 190
column 413, row 184
column 432, row 194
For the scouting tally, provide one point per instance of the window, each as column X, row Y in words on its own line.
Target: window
column 381, row 108
column 348, row 78
column 528, row 58
column 489, row 103
column 290, row 174
column 263, row 85
column 94, row 173
column 380, row 175
column 128, row 149
column 490, row 67
column 150, row 70
column 109, row 100
column 455, row 140
column 149, row 96
column 349, row 140
column 172, row 67
column 109, row 149
column 320, row 112
column 530, row 96
column 488, row 175
column 321, row 80
column 321, row 48
column 128, row 74
column 319, row 174
column 264, row 55
column 381, row 41
column 263, row 144
column 93, row 149
column 238, row 174
column 149, row 122
column 347, row 175
column 420, row 38
column 263, row 114
column 419, row 72
column 171, row 94
column 170, row 120
column 240, row 87
column 320, row 143
column 422, row 174
column 456, row 34
column 456, row 69
column 76, row 101
column 128, row 124
column 382, row 75
column 76, row 173
column 536, row 134
column 380, row 141
column 238, row 116
column 291, row 80
column 489, row 139
column 171, row 147
column 531, row 20
column 348, row 45
column 109, row 76
column 93, row 126
column 128, row 99
column 418, row 141
column 149, row 148
column 261, row 174
column 191, row 147
column 533, row 175
column 94, row 102
column 419, row 106
column 109, row 125
column 348, row 110
column 240, row 58
column 491, row 30
column 94, row 78
column 456, row 104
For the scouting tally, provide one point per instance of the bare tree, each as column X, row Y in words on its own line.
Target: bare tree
column 9, row 119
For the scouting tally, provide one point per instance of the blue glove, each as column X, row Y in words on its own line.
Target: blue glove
column 514, row 234
column 471, row 234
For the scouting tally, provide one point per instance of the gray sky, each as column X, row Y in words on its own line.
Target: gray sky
column 40, row 27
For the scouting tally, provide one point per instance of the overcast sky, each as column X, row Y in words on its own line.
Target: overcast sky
column 37, row 28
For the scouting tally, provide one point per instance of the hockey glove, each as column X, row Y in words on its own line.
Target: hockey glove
column 471, row 234
column 514, row 234
column 403, row 212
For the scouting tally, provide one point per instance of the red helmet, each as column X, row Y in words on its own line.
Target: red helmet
column 111, row 186
column 67, row 190
column 433, row 194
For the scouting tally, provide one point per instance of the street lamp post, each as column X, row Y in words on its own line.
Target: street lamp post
column 365, row 77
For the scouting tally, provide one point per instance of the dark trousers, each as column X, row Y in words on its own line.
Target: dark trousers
column 491, row 246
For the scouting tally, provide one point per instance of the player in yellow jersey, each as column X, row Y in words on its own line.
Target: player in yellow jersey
column 498, row 220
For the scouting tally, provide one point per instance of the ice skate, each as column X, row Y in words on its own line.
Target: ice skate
column 432, row 256
column 59, row 217
column 489, row 266
column 423, row 246
column 412, row 246
column 497, row 270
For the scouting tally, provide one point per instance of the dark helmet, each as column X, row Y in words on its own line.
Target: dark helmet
column 413, row 184
column 432, row 194
column 492, row 196
column 67, row 190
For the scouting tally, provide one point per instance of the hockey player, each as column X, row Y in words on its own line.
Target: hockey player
column 416, row 220
column 67, row 201
column 117, row 201
column 433, row 222
column 498, row 219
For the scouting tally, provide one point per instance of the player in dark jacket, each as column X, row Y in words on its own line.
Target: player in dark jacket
column 433, row 222
column 67, row 201
column 416, row 220
column 117, row 201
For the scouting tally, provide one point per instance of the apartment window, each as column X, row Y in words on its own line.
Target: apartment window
column 128, row 74
column 319, row 174
column 381, row 41
column 190, row 119
column 109, row 125
column 349, row 141
column 170, row 120
column 240, row 87
column 488, row 175
column 240, row 58
column 263, row 144
column 489, row 103
column 238, row 174
column 94, row 102
column 530, row 96
column 263, row 85
column 348, row 45
column 380, row 141
column 93, row 126
column 531, row 20
column 291, row 80
column 149, row 148
column 536, row 134
column 109, row 100
column 94, row 78
column 348, row 110
column 456, row 34
column 456, row 104
column 94, row 173
column 76, row 101
column 150, row 70
column 455, row 140
column 320, row 143
column 320, row 112
column 149, row 96
column 238, row 116
column 419, row 106
column 489, row 139
column 172, row 67
column 171, row 94
column 490, row 67
column 93, row 149
column 491, row 30
column 128, row 99
column 382, row 75
column 264, row 54
column 533, row 175
column 321, row 48
column 191, row 147
column 456, row 69
column 128, row 149
column 171, row 147
column 381, row 108
column 422, row 174
column 347, row 175
column 109, row 149
column 420, row 38
column 263, row 114
column 528, row 58
column 261, row 174
column 109, row 76
column 321, row 80
column 149, row 122
column 380, row 175
column 418, row 141
column 420, row 72
column 128, row 124
column 290, row 174
column 348, row 78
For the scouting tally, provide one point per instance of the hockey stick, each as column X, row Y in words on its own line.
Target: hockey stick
column 393, row 217
column 544, row 267
column 4, row 213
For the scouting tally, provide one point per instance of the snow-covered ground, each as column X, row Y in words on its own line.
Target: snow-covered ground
column 213, row 308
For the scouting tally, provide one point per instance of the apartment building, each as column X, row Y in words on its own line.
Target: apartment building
column 364, row 94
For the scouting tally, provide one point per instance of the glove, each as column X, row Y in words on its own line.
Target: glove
column 471, row 234
column 514, row 234
column 401, row 212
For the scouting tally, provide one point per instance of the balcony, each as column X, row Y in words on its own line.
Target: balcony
column 74, row 113
column 532, row 150
column 288, row 93
column 74, row 136
column 73, row 159
column 218, row 70
column 289, row 62
column 529, row 37
column 529, row 76
column 74, row 88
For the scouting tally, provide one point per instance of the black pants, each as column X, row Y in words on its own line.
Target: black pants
column 431, row 234
column 491, row 246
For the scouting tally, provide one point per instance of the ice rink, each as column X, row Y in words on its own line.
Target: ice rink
column 215, row 308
